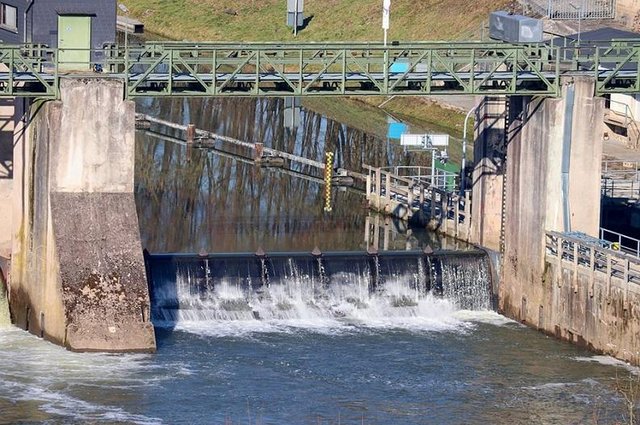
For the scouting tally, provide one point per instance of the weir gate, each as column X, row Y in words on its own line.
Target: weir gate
column 78, row 275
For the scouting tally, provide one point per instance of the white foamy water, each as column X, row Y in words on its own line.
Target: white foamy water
column 294, row 306
column 4, row 306
column 55, row 380
column 343, row 302
column 610, row 361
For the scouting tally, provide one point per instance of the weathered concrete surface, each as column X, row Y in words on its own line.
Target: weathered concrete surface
column 488, row 174
column 582, row 307
column 628, row 13
column 6, row 174
column 5, row 318
column 78, row 275
column 534, row 200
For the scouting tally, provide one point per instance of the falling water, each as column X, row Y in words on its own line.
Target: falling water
column 5, row 319
column 345, row 286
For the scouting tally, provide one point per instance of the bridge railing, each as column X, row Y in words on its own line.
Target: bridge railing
column 583, row 252
column 276, row 69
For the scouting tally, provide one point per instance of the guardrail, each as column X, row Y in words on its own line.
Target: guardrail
column 620, row 188
column 626, row 120
column 591, row 254
column 620, row 242
column 441, row 179
column 620, row 179
column 404, row 198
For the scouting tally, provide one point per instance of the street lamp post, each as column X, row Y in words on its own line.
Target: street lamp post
column 580, row 9
column 386, row 12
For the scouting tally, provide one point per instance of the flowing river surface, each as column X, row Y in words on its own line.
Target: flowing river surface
column 306, row 348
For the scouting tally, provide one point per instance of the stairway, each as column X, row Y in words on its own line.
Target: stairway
column 616, row 120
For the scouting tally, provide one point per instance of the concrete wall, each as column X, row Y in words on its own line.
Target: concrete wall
column 583, row 307
column 628, row 13
column 6, row 174
column 78, row 276
column 535, row 201
column 488, row 174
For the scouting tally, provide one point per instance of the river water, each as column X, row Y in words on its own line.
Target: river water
column 304, row 350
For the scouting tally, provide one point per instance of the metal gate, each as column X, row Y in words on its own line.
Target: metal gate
column 581, row 9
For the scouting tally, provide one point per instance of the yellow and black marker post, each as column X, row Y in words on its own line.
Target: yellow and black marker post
column 328, row 174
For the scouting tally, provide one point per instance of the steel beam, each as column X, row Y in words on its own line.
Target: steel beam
column 331, row 69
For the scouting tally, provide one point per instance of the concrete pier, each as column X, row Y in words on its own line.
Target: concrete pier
column 7, row 110
column 77, row 272
column 488, row 173
column 552, row 184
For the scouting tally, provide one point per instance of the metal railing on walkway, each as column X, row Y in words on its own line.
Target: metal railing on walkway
column 441, row 179
column 619, row 242
column 590, row 253
column 408, row 198
column 620, row 179
column 621, row 115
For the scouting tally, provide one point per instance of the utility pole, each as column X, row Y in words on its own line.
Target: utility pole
column 295, row 19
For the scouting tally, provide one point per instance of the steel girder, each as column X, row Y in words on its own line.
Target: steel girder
column 331, row 69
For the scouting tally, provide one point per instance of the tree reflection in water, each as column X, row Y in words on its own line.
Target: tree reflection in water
column 206, row 202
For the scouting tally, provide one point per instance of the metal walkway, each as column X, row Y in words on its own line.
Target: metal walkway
column 213, row 69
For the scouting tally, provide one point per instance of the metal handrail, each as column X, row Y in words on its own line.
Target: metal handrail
column 620, row 188
column 594, row 254
column 629, row 120
column 621, row 242
column 422, row 174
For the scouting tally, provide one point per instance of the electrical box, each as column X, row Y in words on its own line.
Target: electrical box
column 514, row 28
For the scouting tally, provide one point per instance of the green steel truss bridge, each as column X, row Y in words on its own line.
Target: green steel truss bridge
column 332, row 69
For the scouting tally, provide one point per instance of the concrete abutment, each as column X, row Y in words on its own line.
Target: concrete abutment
column 77, row 272
column 552, row 183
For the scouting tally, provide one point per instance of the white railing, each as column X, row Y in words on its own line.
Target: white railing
column 403, row 197
column 440, row 179
column 619, row 242
column 591, row 253
column 620, row 179
column 626, row 120
column 580, row 9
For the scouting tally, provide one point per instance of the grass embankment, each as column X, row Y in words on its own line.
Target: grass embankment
column 344, row 20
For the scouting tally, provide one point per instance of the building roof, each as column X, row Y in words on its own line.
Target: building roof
column 604, row 34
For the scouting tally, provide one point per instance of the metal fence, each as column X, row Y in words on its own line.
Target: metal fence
column 440, row 179
column 590, row 253
column 619, row 242
column 620, row 179
column 581, row 9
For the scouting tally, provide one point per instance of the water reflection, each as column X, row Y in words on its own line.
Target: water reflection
column 201, row 201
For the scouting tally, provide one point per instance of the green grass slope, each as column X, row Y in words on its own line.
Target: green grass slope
column 336, row 20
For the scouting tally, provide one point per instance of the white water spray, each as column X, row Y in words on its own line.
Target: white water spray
column 351, row 296
column 5, row 319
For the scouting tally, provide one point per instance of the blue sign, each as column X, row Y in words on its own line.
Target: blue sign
column 399, row 67
column 396, row 129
